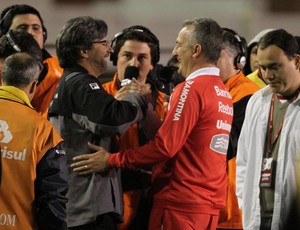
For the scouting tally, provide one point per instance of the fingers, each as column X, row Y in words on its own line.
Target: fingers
column 80, row 165
column 82, row 169
column 146, row 89
column 91, row 163
column 127, row 89
column 94, row 147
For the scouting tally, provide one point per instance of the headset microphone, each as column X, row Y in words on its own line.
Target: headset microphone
column 130, row 72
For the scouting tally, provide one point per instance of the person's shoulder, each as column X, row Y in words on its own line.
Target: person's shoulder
column 110, row 86
column 53, row 70
column 243, row 86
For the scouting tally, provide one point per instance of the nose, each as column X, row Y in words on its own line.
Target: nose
column 174, row 51
column 267, row 74
column 110, row 49
column 30, row 30
column 134, row 62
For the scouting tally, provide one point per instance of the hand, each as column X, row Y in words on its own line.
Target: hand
column 91, row 163
column 145, row 89
column 133, row 87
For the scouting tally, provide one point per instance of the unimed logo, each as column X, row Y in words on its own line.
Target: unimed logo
column 7, row 219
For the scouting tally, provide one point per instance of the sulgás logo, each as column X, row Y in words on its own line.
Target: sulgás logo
column 6, row 137
column 5, row 134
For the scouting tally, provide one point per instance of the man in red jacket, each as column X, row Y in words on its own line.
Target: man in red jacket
column 188, row 154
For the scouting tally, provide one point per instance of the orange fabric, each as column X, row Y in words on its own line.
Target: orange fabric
column 46, row 88
column 130, row 139
column 239, row 87
column 131, row 201
column 28, row 137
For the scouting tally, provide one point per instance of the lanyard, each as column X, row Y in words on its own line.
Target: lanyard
column 270, row 131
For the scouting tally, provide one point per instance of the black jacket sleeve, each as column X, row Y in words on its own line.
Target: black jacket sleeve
column 239, row 109
column 51, row 187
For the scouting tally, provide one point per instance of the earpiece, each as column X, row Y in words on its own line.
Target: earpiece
column 240, row 59
column 12, row 40
column 45, row 34
column 139, row 29
column 15, row 10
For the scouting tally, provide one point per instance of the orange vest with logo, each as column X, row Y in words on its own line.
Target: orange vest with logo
column 25, row 137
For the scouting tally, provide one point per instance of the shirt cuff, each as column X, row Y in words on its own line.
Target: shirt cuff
column 114, row 161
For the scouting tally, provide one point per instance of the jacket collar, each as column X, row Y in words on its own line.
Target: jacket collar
column 204, row 71
column 14, row 94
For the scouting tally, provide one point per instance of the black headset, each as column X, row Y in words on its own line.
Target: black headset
column 13, row 41
column 11, row 12
column 240, row 59
column 139, row 29
column 15, row 45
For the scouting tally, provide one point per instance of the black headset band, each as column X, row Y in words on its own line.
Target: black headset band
column 12, row 40
column 122, row 33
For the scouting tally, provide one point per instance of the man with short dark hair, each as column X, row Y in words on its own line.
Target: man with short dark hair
column 26, row 17
column 136, row 47
column 34, row 171
column 19, row 41
column 268, row 147
column 231, row 63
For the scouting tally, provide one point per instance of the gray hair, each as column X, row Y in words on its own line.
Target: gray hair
column 19, row 70
column 208, row 34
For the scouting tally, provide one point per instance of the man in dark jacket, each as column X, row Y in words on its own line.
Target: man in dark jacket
column 83, row 112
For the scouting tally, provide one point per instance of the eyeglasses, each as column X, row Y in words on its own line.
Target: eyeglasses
column 103, row 42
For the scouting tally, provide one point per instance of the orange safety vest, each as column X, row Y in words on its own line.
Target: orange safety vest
column 46, row 88
column 25, row 138
column 239, row 87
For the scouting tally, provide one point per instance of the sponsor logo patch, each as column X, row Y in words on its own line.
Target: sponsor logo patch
column 94, row 86
column 219, row 143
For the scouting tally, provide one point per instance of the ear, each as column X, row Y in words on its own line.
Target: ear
column 84, row 53
column 196, row 49
column 151, row 67
column 297, row 61
column 32, row 89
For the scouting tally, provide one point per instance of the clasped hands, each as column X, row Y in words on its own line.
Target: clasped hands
column 91, row 163
column 134, row 87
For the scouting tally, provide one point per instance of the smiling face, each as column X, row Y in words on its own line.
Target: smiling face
column 135, row 53
column 97, row 56
column 280, row 71
column 183, row 51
